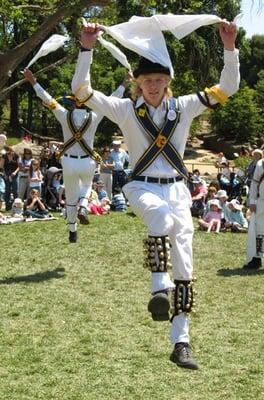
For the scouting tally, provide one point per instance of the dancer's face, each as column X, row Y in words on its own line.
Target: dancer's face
column 153, row 87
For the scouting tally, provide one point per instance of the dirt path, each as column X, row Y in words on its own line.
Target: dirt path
column 204, row 160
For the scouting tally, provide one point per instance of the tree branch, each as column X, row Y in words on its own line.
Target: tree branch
column 32, row 7
column 5, row 92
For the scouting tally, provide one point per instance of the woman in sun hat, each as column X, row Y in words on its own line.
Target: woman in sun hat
column 236, row 221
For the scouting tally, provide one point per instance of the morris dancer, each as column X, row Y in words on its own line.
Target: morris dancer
column 255, row 244
column 78, row 160
column 155, row 127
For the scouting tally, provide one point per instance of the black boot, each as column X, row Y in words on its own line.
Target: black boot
column 83, row 216
column 182, row 356
column 73, row 237
column 255, row 263
column 159, row 306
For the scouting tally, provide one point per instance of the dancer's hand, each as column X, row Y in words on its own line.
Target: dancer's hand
column 127, row 79
column 89, row 35
column 228, row 33
column 29, row 76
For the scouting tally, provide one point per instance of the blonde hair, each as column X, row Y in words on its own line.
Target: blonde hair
column 136, row 91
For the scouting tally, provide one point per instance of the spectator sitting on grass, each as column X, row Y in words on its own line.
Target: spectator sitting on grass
column 211, row 194
column 34, row 207
column 17, row 208
column 237, row 222
column 118, row 200
column 95, row 206
column 2, row 187
column 212, row 219
column 100, row 190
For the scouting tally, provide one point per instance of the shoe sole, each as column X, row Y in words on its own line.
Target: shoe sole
column 83, row 219
column 159, row 307
column 251, row 268
column 182, row 365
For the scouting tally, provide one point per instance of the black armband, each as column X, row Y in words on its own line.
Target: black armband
column 82, row 49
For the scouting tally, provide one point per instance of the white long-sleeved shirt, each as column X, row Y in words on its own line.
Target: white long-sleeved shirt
column 256, row 187
column 79, row 116
column 121, row 111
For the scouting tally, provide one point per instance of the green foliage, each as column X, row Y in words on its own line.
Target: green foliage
column 240, row 118
column 242, row 162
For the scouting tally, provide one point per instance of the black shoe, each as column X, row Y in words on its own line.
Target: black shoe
column 182, row 356
column 255, row 263
column 159, row 306
column 73, row 237
column 83, row 216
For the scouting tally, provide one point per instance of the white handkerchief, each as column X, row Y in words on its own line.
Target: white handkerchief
column 51, row 44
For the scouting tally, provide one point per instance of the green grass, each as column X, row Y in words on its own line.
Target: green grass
column 74, row 324
column 11, row 141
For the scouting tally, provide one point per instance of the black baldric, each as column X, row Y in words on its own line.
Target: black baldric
column 77, row 135
column 161, row 139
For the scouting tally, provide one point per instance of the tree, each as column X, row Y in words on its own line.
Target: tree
column 240, row 119
column 12, row 58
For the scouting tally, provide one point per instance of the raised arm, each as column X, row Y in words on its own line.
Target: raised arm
column 109, row 106
column 47, row 99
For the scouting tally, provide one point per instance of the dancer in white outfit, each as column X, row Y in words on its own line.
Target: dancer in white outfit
column 78, row 158
column 155, row 128
column 255, row 243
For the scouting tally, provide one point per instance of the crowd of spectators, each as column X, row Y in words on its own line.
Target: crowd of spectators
column 221, row 204
column 33, row 186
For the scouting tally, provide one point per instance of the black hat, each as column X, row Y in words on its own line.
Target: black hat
column 146, row 66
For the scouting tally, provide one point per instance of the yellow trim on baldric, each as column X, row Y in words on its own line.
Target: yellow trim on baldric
column 217, row 94
column 81, row 101
column 51, row 105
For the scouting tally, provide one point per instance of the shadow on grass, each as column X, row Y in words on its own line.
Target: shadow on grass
column 239, row 271
column 37, row 277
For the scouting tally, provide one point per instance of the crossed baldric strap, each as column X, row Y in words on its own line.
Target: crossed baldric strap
column 161, row 139
column 77, row 137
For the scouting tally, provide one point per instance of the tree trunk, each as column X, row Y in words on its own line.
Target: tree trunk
column 10, row 60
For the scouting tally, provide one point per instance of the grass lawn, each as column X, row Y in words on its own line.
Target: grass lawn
column 75, row 326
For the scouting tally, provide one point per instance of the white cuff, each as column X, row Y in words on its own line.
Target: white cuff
column 231, row 56
column 161, row 281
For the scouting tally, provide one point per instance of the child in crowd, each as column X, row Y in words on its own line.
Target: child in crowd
column 106, row 167
column 212, row 219
column 35, row 176
column 211, row 194
column 118, row 200
column 57, row 181
column 100, row 190
column 95, row 206
column 237, row 222
column 222, row 196
column 17, row 208
column 34, row 207
column 2, row 187
column 24, row 164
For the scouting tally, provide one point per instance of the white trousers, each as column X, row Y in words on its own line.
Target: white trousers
column 77, row 177
column 255, row 229
column 165, row 210
column 107, row 179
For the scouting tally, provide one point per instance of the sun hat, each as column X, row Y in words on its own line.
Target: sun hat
column 214, row 202
column 235, row 203
column 221, row 193
column 257, row 151
column 18, row 201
